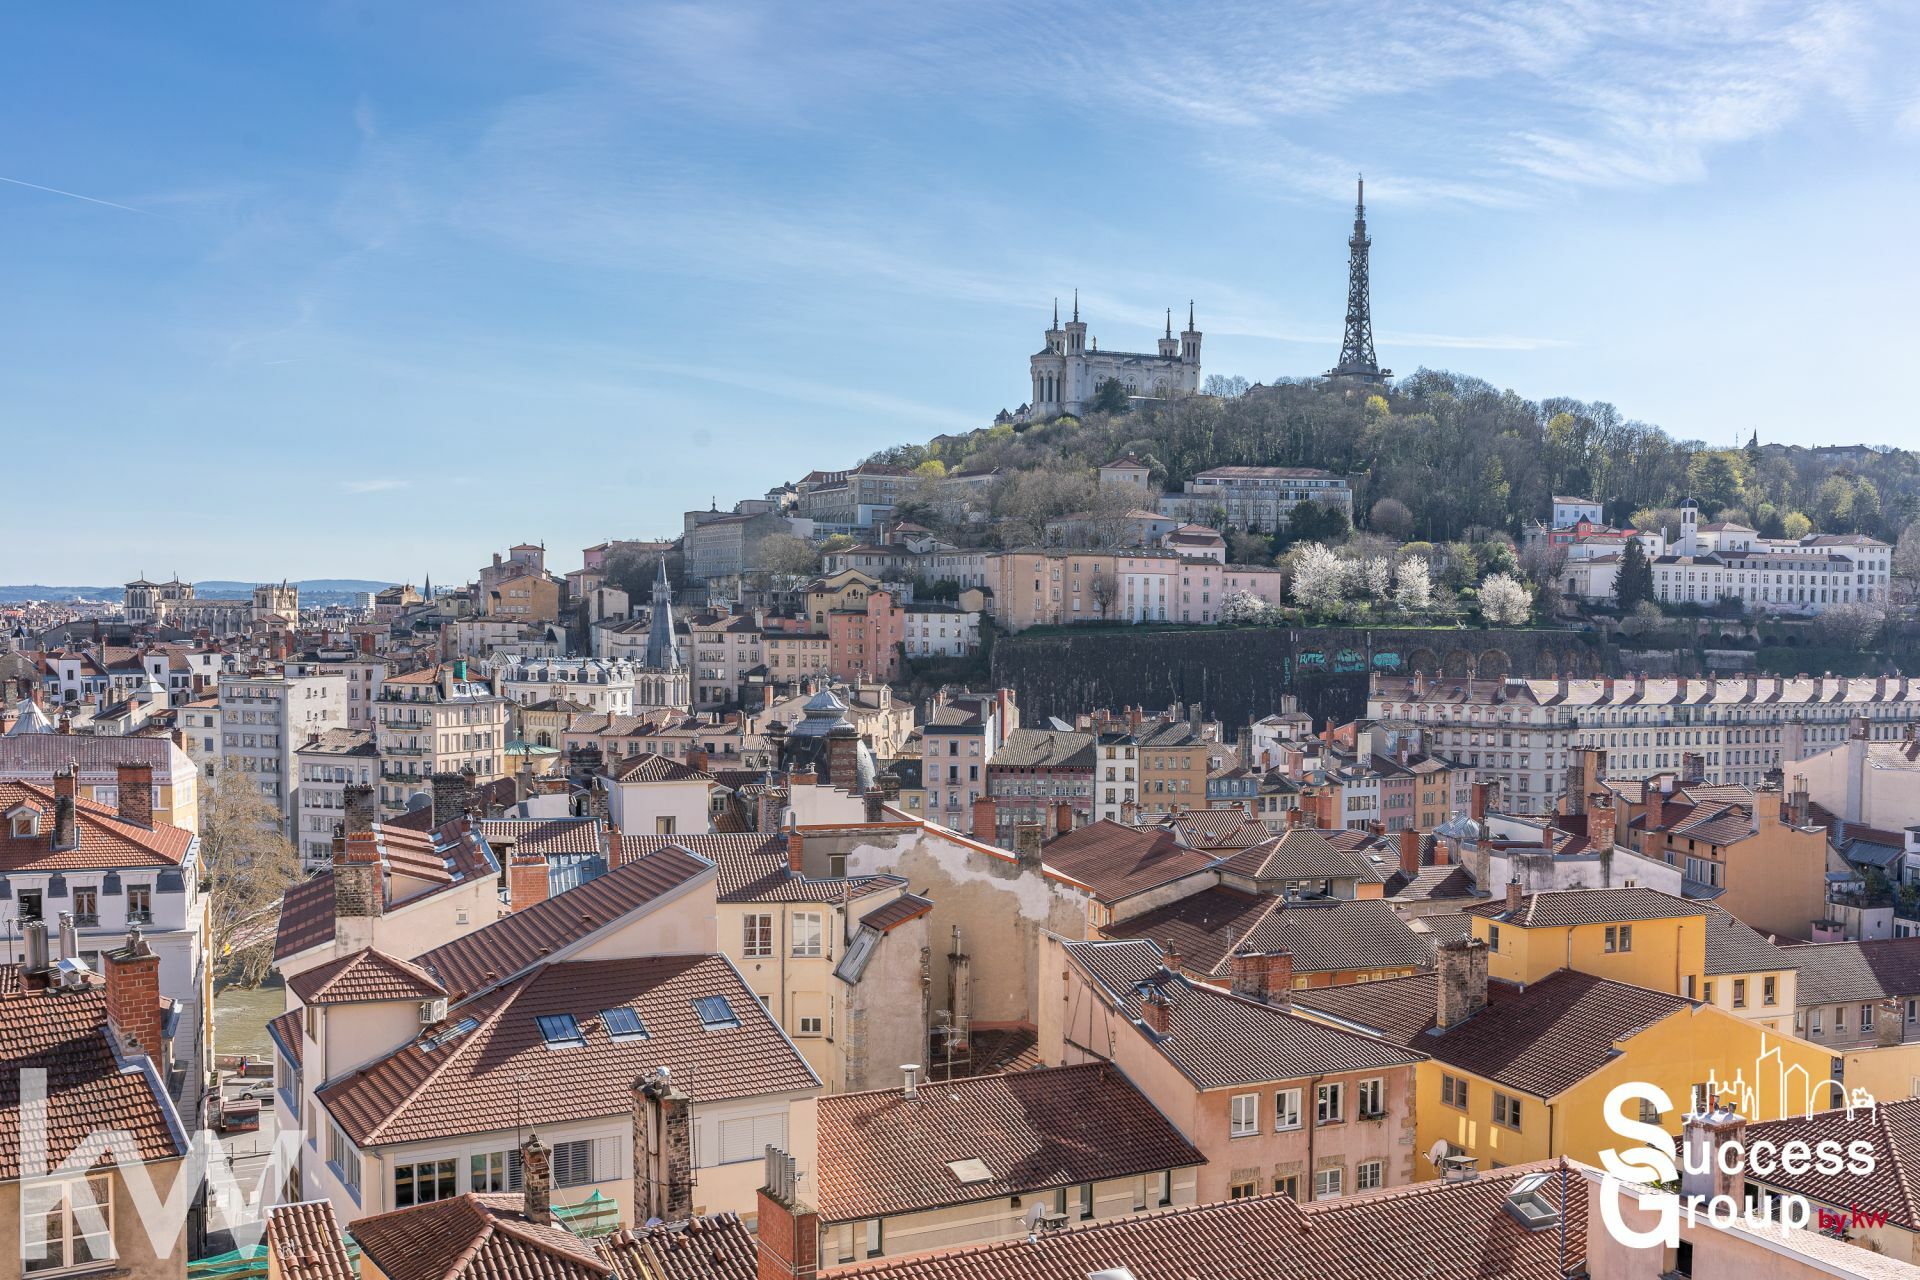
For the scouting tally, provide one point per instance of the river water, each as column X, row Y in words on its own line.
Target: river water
column 240, row 1016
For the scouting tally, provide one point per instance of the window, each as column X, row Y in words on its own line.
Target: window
column 756, row 936
column 560, row 1031
column 1370, row 1176
column 1814, row 1026
column 1493, row 937
column 623, row 1024
column 809, row 935
column 572, row 1164
column 1839, row 1017
column 1769, row 991
column 1649, row 1114
column 663, row 826
column 1286, row 1109
column 344, row 1158
column 30, row 905
column 1328, row 1106
column 86, row 906
column 68, row 1224
column 1243, row 1190
column 422, row 1182
column 1086, row 1200
column 810, row 1024
column 1739, row 993
column 1327, row 1184
column 1706, row 992
column 1619, row 937
column 1245, row 1115
column 1373, row 1099
column 1506, row 1110
column 1453, row 1091
column 1866, row 1017
column 875, row 1238
column 1287, row 1186
column 139, row 904
column 494, row 1171
column 715, row 1013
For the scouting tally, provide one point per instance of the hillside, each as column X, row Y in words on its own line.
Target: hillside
column 1457, row 454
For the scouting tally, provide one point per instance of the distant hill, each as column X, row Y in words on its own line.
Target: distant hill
column 312, row 590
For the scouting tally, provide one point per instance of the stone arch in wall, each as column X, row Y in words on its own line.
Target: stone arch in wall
column 1457, row 665
column 1423, row 661
column 1494, row 664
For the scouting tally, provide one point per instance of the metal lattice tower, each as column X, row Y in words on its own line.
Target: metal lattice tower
column 1356, row 344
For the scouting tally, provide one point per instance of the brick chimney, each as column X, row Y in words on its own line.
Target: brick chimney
column 616, row 846
column 361, row 808
column 526, row 880
column 1266, row 976
column 1513, row 896
column 1028, row 838
column 1410, row 852
column 1154, row 1004
column 1602, row 822
column 66, row 830
column 662, row 1149
column 1062, row 819
column 450, row 798
column 874, row 803
column 984, row 826
column 789, row 1230
column 536, row 1177
column 1170, row 956
column 359, row 892
column 133, row 996
column 795, row 863
column 1478, row 808
column 1702, row 1136
column 1461, row 990
column 136, row 794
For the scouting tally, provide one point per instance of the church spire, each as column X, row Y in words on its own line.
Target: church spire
column 1169, row 322
column 1189, row 315
column 1357, row 359
column 663, row 650
column 1056, row 312
column 1076, row 306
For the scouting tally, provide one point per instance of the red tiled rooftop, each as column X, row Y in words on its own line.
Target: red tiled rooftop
column 486, row 1237
column 365, row 975
column 102, row 839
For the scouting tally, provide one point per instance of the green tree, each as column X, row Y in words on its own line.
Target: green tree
column 1714, row 479
column 1317, row 522
column 1110, row 397
column 1634, row 583
column 1795, row 525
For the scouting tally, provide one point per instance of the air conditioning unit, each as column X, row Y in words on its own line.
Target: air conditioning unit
column 432, row 1011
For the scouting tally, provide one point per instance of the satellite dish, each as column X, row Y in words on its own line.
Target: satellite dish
column 1441, row 1150
column 1036, row 1211
column 418, row 800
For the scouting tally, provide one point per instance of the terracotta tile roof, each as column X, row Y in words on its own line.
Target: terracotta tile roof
column 883, row 1153
column 1890, row 1129
column 753, row 867
column 454, row 855
column 1434, row 1230
column 716, row 1246
column 1448, row 881
column 103, row 840
column 481, row 1236
column 1560, row 908
column 469, row 1085
column 65, row 1034
column 365, row 975
column 990, row 1051
column 1324, row 935
column 1541, row 1039
column 286, row 1032
column 1117, row 861
column 1043, row 749
column 1215, row 1038
column 305, row 1242
column 908, row 906
column 542, row 836
column 515, row 942
column 649, row 766
column 1843, row 972
column 1301, row 854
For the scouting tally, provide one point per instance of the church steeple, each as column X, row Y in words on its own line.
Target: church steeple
column 663, row 649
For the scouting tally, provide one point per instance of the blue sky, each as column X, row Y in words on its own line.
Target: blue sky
column 366, row 289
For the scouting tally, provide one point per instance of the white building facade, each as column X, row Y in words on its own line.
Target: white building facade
column 1067, row 372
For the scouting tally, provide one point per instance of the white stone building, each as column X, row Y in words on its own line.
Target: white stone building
column 940, row 631
column 1067, row 372
column 1722, row 560
column 597, row 685
column 264, row 718
column 327, row 764
column 437, row 720
column 1259, row 499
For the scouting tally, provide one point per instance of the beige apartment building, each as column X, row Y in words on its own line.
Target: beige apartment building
column 437, row 720
column 1059, row 587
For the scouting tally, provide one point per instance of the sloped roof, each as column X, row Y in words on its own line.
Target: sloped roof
column 1734, row 947
column 365, row 975
column 1891, row 1131
column 1117, row 861
column 714, row 1246
column 650, row 766
column 1843, row 972
column 1301, row 853
column 486, row 1237
column 1560, row 908
column 1324, row 935
column 471, row 1084
column 305, row 1242
column 883, row 1153
column 1541, row 1039
column 102, row 839
column 1217, row 1039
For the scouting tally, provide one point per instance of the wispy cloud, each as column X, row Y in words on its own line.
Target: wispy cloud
column 374, row 486
column 72, row 195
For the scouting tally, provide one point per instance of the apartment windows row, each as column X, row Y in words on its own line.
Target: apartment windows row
column 1330, row 1107
column 807, row 935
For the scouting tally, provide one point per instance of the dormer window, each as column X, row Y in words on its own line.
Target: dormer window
column 24, row 822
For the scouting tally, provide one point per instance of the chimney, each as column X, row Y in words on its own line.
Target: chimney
column 876, row 802
column 794, row 858
column 1603, row 823
column 1478, row 811
column 910, row 1080
column 1410, row 852
column 697, row 759
column 366, row 643
column 1062, row 819
column 662, row 1149
column 133, row 996
column 789, row 1231
column 1170, row 956
column 449, row 798
column 361, row 808
column 527, row 882
column 136, row 794
column 66, row 833
column 1028, row 837
column 1266, row 976
column 616, row 846
column 1693, row 765
column 1513, row 896
column 1703, row 1137
column 358, row 891
column 1462, row 988
column 1153, row 1009
column 536, row 1176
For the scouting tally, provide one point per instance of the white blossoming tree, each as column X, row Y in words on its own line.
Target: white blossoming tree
column 1505, row 601
column 1319, row 578
column 1413, row 585
column 1376, row 574
column 1244, row 606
